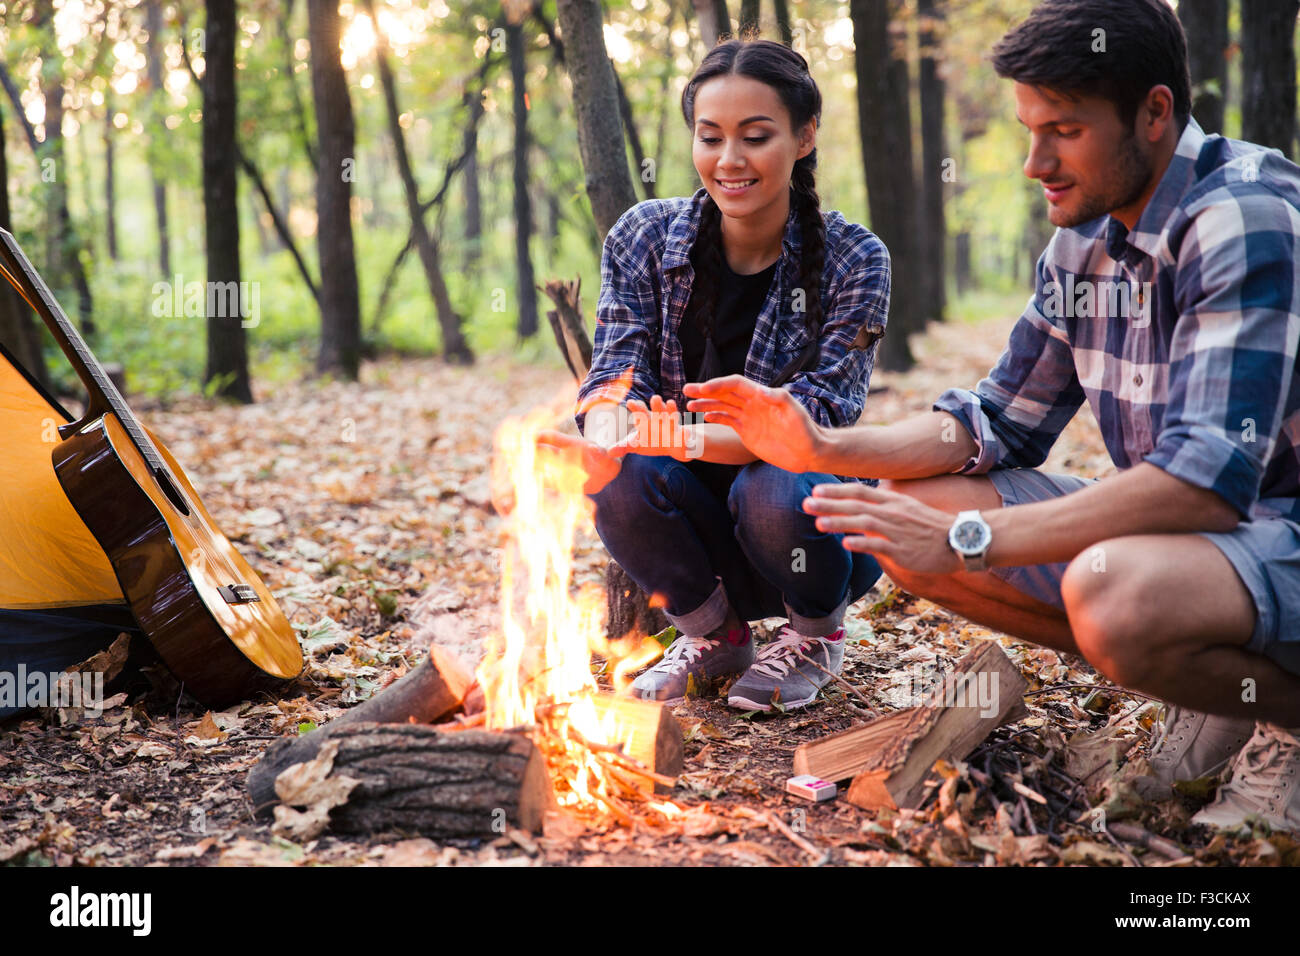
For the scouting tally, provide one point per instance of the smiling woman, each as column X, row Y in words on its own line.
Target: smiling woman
column 747, row 277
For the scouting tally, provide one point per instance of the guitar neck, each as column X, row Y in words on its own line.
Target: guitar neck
column 103, row 394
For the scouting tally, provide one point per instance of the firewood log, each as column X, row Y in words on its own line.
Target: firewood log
column 434, row 688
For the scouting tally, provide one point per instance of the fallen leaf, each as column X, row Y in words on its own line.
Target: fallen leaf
column 310, row 785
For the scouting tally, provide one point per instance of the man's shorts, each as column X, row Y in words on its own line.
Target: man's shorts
column 1265, row 553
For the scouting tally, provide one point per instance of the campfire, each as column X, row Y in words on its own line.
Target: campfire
column 537, row 675
column 549, row 739
column 557, row 737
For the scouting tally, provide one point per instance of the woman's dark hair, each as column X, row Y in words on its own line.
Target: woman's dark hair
column 1115, row 49
column 787, row 73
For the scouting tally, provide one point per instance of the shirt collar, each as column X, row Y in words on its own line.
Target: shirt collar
column 1174, row 184
column 686, row 226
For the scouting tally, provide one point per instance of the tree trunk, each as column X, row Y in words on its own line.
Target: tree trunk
column 713, row 19
column 340, row 345
column 473, row 200
column 19, row 332
column 63, row 249
column 633, row 136
column 885, row 130
column 749, row 18
column 1268, row 94
column 1206, row 25
column 524, row 281
column 934, row 232
column 454, row 347
column 52, row 159
column 600, row 141
column 154, row 58
column 783, row 22
column 595, row 100
column 227, row 352
column 299, row 111
column 110, row 178
column 961, row 263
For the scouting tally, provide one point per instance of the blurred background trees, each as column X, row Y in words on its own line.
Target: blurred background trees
column 306, row 148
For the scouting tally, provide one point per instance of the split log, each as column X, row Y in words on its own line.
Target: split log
column 892, row 755
column 416, row 779
column 985, row 688
column 436, row 687
column 648, row 731
column 843, row 755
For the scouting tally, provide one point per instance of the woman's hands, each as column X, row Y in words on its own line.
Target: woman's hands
column 600, row 465
column 657, row 430
column 770, row 421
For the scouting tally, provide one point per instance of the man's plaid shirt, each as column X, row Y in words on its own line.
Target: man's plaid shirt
column 646, row 279
column 1198, row 375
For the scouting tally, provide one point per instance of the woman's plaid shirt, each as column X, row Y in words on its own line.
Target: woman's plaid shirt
column 646, row 279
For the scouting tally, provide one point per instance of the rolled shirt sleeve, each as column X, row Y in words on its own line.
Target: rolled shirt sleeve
column 1016, row 413
column 626, row 346
column 1233, row 352
column 835, row 390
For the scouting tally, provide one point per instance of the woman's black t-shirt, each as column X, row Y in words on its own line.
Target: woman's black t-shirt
column 739, row 301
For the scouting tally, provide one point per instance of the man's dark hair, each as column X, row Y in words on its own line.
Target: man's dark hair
column 1115, row 49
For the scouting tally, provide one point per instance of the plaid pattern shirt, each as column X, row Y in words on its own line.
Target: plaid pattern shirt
column 1198, row 374
column 646, row 278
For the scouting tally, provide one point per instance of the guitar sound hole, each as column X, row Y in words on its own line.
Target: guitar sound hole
column 171, row 491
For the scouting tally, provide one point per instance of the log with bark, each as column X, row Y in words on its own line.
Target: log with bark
column 436, row 687
column 890, row 757
column 384, row 765
column 417, row 779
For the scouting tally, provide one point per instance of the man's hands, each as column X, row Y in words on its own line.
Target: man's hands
column 770, row 421
column 894, row 526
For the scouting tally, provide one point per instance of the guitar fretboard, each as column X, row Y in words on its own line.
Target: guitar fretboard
column 88, row 369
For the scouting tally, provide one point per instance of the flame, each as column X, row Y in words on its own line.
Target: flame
column 537, row 672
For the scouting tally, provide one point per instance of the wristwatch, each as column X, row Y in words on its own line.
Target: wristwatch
column 970, row 536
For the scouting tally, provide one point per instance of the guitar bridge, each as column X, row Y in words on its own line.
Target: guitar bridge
column 238, row 593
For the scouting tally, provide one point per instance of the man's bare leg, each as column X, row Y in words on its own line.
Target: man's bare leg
column 1170, row 617
column 977, row 595
column 1167, row 616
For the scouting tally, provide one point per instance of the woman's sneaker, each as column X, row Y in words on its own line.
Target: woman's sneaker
column 779, row 676
column 697, row 666
column 1263, row 783
column 1191, row 745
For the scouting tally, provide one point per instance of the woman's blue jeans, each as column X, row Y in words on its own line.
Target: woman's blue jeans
column 707, row 536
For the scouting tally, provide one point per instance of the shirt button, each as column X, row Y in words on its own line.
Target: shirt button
column 1137, row 379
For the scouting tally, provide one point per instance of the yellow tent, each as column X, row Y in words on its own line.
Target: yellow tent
column 59, row 599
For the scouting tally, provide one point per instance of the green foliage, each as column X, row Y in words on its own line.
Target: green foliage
column 435, row 56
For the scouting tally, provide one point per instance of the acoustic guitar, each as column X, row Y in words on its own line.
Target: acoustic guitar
column 211, row 618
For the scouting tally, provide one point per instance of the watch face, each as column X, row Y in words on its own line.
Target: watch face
column 970, row 537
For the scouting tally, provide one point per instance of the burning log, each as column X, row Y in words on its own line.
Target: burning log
column 648, row 732
column 889, row 758
column 433, row 689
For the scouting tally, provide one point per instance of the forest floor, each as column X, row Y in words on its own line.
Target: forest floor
column 366, row 508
